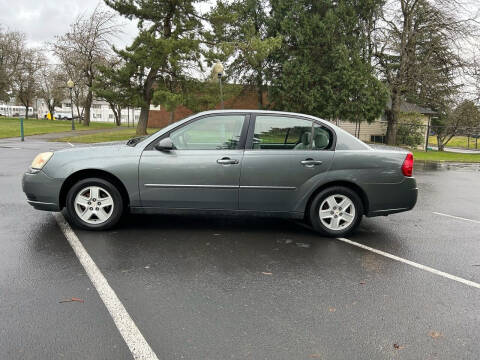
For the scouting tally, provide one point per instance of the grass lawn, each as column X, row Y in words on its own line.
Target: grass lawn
column 103, row 137
column 10, row 127
column 445, row 156
column 457, row 141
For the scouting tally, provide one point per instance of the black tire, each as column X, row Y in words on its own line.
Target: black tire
column 116, row 210
column 314, row 216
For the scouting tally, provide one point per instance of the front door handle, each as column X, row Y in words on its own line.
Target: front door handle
column 310, row 162
column 227, row 161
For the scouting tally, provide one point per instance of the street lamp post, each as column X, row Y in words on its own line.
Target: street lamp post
column 218, row 69
column 221, row 90
column 70, row 85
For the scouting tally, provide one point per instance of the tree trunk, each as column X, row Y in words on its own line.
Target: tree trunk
column 119, row 116
column 172, row 116
column 392, row 118
column 88, row 105
column 147, row 99
column 26, row 112
column 117, row 113
column 143, row 120
column 440, row 144
column 78, row 112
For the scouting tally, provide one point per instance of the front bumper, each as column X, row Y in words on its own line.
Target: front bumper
column 42, row 191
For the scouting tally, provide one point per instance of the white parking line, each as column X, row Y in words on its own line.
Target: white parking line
column 414, row 264
column 70, row 144
column 133, row 337
column 457, row 217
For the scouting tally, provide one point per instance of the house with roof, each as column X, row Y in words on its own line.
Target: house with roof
column 376, row 131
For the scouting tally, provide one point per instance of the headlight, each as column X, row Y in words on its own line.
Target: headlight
column 40, row 160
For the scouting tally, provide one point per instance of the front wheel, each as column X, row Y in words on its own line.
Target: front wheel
column 336, row 211
column 94, row 204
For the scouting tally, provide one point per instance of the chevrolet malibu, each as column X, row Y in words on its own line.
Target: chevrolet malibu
column 255, row 162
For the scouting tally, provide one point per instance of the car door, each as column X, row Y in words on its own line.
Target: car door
column 203, row 169
column 284, row 158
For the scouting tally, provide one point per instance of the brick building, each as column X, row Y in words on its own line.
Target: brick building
column 246, row 100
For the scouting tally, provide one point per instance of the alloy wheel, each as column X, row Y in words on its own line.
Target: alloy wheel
column 94, row 205
column 337, row 212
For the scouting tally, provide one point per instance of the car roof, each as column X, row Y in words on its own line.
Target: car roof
column 257, row 112
column 269, row 112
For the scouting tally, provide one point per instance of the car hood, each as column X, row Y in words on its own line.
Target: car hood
column 109, row 146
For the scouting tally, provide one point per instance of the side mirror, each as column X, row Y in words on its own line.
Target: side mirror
column 165, row 144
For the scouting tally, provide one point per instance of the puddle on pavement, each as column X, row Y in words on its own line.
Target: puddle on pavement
column 441, row 166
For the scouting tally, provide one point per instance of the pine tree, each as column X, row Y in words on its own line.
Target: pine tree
column 240, row 36
column 323, row 67
column 159, row 59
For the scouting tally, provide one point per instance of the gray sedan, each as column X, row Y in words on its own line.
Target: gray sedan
column 255, row 162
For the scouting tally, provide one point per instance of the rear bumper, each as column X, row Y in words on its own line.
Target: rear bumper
column 385, row 199
column 42, row 191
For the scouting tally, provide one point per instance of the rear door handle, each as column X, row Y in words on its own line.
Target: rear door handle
column 227, row 161
column 310, row 162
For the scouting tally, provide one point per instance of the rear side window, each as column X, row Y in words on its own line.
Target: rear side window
column 289, row 133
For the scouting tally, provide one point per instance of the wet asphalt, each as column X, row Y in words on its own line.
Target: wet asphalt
column 203, row 287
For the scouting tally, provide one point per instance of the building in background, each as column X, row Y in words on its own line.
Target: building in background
column 15, row 110
column 99, row 112
column 376, row 131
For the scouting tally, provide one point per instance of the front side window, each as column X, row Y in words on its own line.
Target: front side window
column 289, row 133
column 209, row 133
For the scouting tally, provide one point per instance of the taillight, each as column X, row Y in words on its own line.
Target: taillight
column 407, row 167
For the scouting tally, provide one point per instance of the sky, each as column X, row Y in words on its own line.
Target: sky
column 41, row 20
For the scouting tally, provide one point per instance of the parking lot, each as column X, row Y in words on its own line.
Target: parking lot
column 244, row 288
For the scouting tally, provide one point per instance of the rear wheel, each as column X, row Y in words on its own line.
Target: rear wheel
column 94, row 204
column 336, row 211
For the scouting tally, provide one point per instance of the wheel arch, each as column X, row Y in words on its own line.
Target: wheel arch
column 348, row 184
column 92, row 173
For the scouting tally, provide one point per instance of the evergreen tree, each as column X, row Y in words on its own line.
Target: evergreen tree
column 240, row 36
column 162, row 54
column 323, row 67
